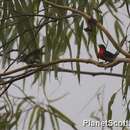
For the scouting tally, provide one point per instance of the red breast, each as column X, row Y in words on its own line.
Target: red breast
column 101, row 52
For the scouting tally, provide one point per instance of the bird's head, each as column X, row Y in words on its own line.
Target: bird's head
column 101, row 46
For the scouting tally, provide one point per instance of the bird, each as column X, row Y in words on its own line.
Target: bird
column 34, row 57
column 90, row 25
column 106, row 55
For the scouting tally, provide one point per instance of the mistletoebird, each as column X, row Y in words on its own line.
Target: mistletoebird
column 105, row 55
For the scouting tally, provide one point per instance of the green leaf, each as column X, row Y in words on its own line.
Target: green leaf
column 126, row 80
column 37, row 120
column 127, row 6
column 123, row 79
column 62, row 117
column 128, row 112
column 78, row 71
column 15, row 121
column 42, row 120
column 53, row 121
column 111, row 5
column 109, row 114
column 128, row 75
column 32, row 118
column 67, row 37
column 102, row 2
column 118, row 31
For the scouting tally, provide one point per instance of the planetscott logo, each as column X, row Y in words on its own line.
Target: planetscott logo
column 109, row 123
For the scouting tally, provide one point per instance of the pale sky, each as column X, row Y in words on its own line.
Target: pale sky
column 80, row 94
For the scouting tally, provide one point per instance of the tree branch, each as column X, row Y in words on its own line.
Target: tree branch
column 41, row 67
column 81, row 60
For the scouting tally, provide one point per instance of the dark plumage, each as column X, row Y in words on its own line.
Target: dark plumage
column 104, row 54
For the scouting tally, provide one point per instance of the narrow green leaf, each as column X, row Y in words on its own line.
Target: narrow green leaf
column 52, row 121
column 32, row 118
column 42, row 120
column 102, row 2
column 118, row 31
column 126, row 81
column 78, row 71
column 109, row 114
column 37, row 120
column 128, row 112
column 63, row 117
column 127, row 7
column 123, row 79
column 128, row 75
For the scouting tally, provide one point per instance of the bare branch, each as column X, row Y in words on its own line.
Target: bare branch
column 40, row 67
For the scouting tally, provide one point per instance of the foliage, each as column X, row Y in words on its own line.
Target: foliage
column 39, row 34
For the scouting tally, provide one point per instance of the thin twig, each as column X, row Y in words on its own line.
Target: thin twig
column 6, row 89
